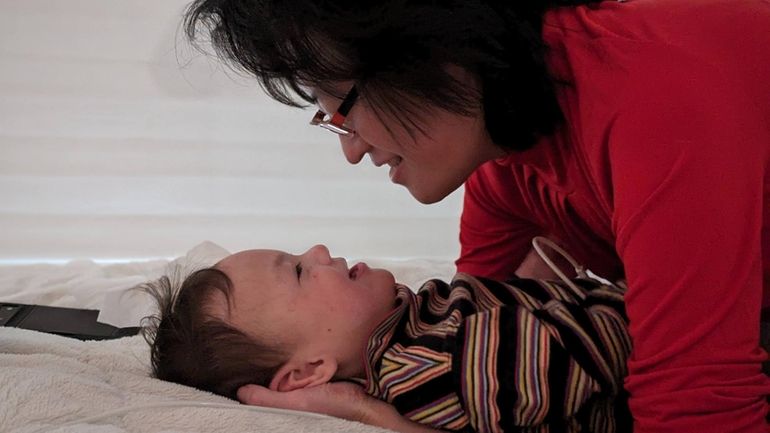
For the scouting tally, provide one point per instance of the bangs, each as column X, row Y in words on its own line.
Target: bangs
column 286, row 52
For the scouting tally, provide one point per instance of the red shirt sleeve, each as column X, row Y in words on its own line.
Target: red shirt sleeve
column 493, row 239
column 688, row 155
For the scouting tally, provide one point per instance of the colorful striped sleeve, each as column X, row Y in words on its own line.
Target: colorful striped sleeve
column 552, row 363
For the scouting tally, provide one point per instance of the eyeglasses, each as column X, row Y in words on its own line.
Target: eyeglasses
column 334, row 123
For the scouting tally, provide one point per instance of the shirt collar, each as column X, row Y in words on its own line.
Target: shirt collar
column 380, row 338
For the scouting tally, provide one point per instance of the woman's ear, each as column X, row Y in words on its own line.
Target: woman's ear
column 297, row 374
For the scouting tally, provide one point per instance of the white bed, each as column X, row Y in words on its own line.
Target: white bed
column 48, row 382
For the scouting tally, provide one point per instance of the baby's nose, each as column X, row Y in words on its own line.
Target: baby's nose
column 320, row 253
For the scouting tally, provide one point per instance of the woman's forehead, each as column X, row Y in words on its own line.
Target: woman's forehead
column 336, row 90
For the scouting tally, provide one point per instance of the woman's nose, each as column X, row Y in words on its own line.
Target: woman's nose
column 354, row 148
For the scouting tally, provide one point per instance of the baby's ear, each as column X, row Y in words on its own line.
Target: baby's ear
column 297, row 374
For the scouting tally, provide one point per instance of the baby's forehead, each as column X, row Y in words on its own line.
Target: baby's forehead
column 251, row 270
column 253, row 276
column 249, row 259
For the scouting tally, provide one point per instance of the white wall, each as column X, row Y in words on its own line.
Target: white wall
column 117, row 141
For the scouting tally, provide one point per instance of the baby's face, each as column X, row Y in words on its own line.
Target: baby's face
column 308, row 301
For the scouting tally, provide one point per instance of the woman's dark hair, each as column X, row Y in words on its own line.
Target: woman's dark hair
column 191, row 343
column 399, row 53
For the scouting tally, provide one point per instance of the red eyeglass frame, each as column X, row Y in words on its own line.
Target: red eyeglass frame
column 335, row 123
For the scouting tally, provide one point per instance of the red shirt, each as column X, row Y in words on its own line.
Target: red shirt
column 660, row 174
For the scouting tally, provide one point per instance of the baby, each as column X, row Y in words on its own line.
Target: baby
column 474, row 354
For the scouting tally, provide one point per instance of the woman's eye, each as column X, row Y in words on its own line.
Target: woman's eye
column 298, row 269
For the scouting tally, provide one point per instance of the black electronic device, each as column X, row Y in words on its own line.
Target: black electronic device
column 67, row 322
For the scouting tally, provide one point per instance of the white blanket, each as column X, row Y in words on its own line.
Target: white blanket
column 47, row 382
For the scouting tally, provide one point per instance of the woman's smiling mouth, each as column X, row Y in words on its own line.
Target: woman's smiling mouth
column 394, row 164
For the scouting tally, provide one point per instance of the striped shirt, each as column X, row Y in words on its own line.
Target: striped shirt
column 526, row 355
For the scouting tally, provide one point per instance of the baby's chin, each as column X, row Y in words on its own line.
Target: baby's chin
column 384, row 281
column 383, row 277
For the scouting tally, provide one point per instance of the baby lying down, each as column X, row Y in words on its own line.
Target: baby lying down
column 474, row 354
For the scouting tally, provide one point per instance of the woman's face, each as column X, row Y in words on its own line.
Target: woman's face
column 430, row 164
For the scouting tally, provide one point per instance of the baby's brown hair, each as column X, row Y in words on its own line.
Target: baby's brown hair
column 191, row 342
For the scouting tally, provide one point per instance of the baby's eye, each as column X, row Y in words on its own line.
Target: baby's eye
column 298, row 268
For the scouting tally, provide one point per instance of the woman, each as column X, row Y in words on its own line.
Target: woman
column 636, row 133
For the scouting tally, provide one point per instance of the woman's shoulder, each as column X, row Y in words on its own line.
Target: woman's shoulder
column 642, row 62
column 614, row 43
column 669, row 22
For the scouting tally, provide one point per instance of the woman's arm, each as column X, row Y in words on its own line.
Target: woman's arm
column 688, row 156
column 495, row 241
column 338, row 399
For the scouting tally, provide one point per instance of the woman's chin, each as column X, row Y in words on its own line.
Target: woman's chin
column 428, row 195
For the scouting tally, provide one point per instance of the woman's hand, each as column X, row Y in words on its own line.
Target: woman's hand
column 534, row 267
column 339, row 399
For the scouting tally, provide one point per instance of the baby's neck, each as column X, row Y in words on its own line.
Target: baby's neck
column 353, row 368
